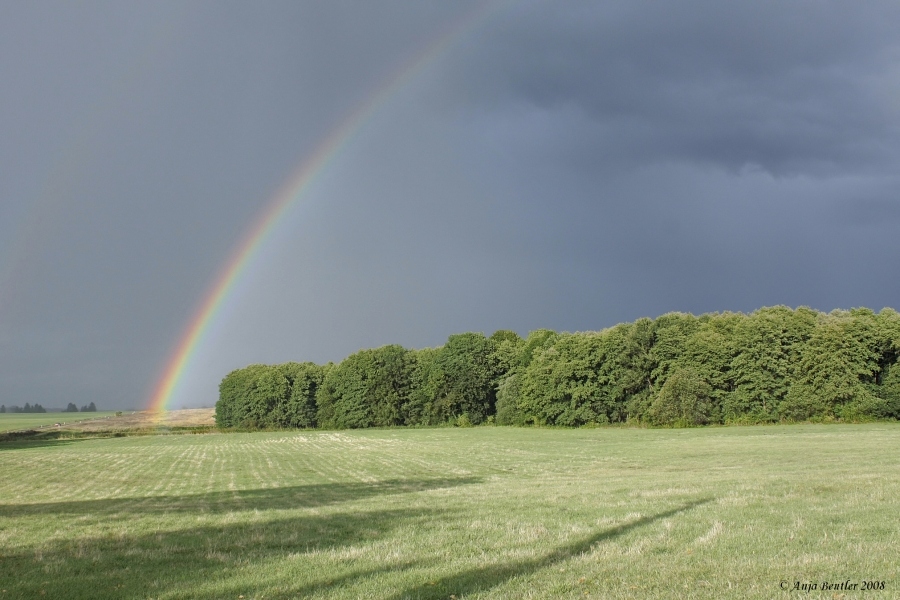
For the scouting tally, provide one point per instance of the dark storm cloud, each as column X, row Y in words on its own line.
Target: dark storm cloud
column 568, row 165
column 806, row 87
column 693, row 155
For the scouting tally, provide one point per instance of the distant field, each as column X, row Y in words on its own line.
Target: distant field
column 454, row 513
column 15, row 421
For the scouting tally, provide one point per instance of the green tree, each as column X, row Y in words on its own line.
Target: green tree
column 671, row 333
column 462, row 379
column 631, row 364
column 835, row 370
column 768, row 344
column 887, row 381
column 367, row 389
column 507, row 405
column 678, row 369
column 889, row 393
column 535, row 342
column 296, row 406
column 684, row 400
column 424, row 381
column 248, row 396
column 508, row 386
column 568, row 385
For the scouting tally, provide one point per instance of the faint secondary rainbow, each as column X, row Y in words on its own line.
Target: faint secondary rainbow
column 292, row 190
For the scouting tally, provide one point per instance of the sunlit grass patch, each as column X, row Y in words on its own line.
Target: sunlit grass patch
column 430, row 513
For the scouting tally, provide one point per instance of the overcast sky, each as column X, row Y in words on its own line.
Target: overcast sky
column 566, row 164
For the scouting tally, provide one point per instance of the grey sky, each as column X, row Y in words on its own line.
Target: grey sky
column 568, row 165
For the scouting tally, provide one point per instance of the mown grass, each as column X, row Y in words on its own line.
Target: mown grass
column 442, row 513
column 17, row 421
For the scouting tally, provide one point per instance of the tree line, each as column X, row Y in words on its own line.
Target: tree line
column 28, row 408
column 37, row 408
column 775, row 364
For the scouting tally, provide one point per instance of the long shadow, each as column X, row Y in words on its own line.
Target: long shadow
column 484, row 578
column 37, row 438
column 28, row 439
column 298, row 496
column 204, row 562
column 295, row 591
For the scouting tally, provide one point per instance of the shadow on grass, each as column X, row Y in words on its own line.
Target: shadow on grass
column 298, row 496
column 36, row 438
column 29, row 438
column 289, row 557
column 293, row 590
column 485, row 578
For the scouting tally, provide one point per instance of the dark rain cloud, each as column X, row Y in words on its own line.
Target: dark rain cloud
column 561, row 164
column 796, row 88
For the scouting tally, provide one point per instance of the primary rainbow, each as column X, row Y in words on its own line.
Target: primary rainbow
column 293, row 189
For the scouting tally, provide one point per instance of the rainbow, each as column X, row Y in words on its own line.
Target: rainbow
column 289, row 194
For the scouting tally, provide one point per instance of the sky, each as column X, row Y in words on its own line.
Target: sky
column 567, row 165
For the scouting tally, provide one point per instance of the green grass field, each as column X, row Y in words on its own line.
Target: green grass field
column 17, row 421
column 454, row 513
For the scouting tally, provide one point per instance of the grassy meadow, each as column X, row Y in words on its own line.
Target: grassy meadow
column 488, row 512
column 17, row 421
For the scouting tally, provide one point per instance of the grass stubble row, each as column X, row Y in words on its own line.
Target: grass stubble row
column 490, row 512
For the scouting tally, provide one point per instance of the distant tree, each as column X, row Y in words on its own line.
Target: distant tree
column 2, row 408
column 71, row 407
column 89, row 408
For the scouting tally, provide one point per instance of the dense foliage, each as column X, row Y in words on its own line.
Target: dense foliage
column 776, row 364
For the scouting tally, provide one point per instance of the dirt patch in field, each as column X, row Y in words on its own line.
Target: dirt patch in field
column 188, row 417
